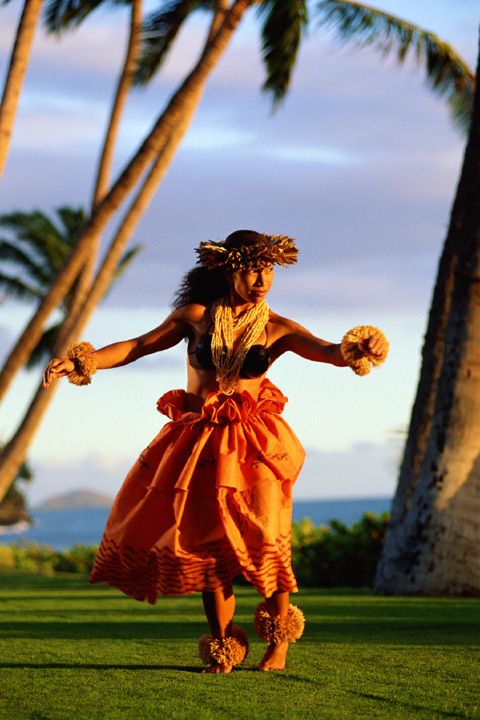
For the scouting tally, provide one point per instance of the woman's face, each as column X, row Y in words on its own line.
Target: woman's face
column 251, row 285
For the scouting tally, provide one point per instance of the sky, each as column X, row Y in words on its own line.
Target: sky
column 359, row 164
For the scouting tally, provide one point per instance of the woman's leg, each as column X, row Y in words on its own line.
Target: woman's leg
column 219, row 608
column 275, row 655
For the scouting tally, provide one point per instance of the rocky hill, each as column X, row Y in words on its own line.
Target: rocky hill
column 76, row 500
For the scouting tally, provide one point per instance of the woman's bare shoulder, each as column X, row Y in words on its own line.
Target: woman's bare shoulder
column 281, row 325
column 193, row 313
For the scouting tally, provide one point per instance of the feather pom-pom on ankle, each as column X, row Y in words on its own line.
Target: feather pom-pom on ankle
column 275, row 629
column 85, row 364
column 230, row 650
column 353, row 351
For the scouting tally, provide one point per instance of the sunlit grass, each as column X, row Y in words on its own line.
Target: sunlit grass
column 70, row 651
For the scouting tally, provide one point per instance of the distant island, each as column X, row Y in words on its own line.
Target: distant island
column 76, row 500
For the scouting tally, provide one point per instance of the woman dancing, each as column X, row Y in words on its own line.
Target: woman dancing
column 211, row 496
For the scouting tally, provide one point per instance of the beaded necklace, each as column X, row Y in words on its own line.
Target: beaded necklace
column 227, row 360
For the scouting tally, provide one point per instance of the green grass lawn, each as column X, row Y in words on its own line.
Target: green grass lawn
column 70, row 651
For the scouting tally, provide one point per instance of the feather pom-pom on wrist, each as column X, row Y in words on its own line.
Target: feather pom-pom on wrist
column 85, row 364
column 353, row 349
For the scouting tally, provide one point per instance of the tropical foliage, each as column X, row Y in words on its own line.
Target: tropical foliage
column 323, row 556
column 446, row 72
column 32, row 254
column 13, row 507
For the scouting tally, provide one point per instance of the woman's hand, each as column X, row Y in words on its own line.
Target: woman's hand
column 375, row 346
column 57, row 368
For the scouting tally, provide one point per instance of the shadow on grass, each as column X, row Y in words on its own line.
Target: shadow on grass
column 76, row 610
column 345, row 631
column 97, row 666
column 136, row 630
column 409, row 707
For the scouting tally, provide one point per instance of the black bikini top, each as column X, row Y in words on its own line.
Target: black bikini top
column 256, row 362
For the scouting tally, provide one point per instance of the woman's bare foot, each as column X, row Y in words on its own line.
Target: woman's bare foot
column 274, row 658
column 222, row 668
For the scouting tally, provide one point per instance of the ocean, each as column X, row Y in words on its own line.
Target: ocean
column 60, row 529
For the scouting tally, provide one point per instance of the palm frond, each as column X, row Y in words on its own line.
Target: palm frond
column 43, row 350
column 15, row 287
column 61, row 15
column 29, row 266
column 285, row 22
column 159, row 30
column 73, row 221
column 39, row 233
column 25, row 473
column 446, row 72
column 125, row 261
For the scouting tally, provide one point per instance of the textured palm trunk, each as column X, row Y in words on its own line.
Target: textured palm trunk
column 14, row 453
column 16, row 74
column 149, row 150
column 432, row 544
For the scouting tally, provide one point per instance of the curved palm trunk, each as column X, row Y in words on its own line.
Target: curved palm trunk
column 17, row 447
column 10, row 458
column 149, row 150
column 15, row 451
column 16, row 74
column 121, row 94
column 433, row 538
column 104, row 168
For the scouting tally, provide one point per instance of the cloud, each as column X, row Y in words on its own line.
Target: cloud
column 91, row 473
column 365, row 470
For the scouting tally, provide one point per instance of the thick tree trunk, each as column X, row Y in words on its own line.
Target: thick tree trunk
column 149, row 150
column 16, row 74
column 432, row 544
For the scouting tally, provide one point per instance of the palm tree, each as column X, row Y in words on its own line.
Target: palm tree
column 283, row 24
column 16, row 74
column 434, row 535
column 33, row 255
column 37, row 251
column 166, row 134
column 58, row 16
column 13, row 507
column 448, row 74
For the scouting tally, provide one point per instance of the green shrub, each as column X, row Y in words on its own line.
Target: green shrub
column 7, row 558
column 338, row 556
column 78, row 559
column 322, row 556
column 47, row 561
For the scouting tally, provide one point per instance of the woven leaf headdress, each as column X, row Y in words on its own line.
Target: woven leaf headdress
column 269, row 250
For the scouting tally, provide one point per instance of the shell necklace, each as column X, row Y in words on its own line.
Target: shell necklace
column 227, row 360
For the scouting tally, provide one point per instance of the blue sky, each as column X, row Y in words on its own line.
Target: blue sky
column 359, row 164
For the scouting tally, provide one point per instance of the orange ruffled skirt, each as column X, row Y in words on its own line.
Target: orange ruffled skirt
column 208, row 499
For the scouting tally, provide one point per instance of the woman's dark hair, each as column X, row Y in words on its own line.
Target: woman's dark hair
column 201, row 285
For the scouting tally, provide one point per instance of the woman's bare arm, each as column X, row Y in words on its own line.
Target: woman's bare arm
column 295, row 338
column 171, row 331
